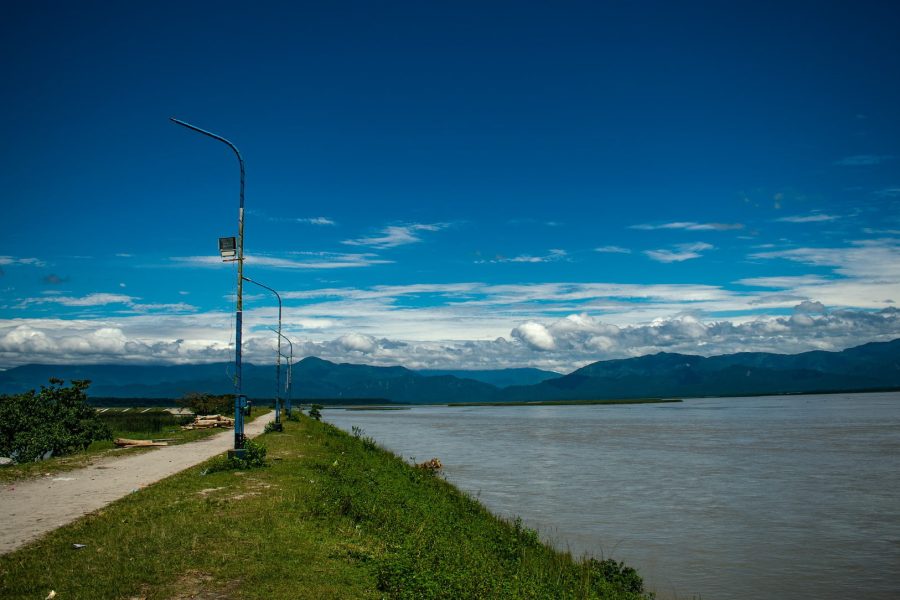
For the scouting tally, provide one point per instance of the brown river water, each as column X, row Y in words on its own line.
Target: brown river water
column 716, row 498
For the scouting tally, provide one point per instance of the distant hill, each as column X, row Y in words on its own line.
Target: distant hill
column 497, row 377
column 867, row 367
column 871, row 366
column 313, row 378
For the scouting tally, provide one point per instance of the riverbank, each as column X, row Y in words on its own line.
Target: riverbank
column 333, row 516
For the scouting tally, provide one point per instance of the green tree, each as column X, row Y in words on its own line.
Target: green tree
column 208, row 404
column 58, row 420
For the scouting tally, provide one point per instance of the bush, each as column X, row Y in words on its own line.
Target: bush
column 315, row 411
column 254, row 458
column 57, row 421
column 208, row 404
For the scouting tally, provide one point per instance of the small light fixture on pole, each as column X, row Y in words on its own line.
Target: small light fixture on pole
column 278, row 425
column 235, row 252
column 228, row 248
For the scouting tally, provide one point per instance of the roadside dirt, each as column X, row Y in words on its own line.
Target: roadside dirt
column 30, row 508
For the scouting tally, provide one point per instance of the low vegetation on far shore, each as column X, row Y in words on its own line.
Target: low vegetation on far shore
column 331, row 516
column 570, row 402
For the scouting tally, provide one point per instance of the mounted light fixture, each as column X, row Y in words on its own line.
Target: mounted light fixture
column 228, row 248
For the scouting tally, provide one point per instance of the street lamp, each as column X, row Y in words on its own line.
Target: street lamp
column 278, row 425
column 236, row 252
column 289, row 384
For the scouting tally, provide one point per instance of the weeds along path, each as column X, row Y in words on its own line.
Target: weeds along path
column 31, row 508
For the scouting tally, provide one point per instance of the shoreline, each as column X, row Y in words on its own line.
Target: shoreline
column 332, row 515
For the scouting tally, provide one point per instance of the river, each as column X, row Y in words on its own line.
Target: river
column 716, row 498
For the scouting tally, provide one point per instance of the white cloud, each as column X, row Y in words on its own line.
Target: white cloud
column 845, row 300
column 104, row 299
column 783, row 282
column 810, row 308
column 317, row 221
column 560, row 344
column 613, row 250
column 690, row 226
column 535, row 335
column 874, row 260
column 813, row 218
column 96, row 299
column 356, row 342
column 683, row 252
column 554, row 254
column 31, row 262
column 396, row 235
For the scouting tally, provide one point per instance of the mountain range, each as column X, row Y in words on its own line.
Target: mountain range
column 868, row 367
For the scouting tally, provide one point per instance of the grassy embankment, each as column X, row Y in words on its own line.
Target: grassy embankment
column 132, row 423
column 332, row 516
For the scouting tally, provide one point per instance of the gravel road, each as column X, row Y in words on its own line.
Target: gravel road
column 31, row 508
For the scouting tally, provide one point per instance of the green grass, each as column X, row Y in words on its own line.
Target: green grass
column 133, row 424
column 570, row 402
column 333, row 516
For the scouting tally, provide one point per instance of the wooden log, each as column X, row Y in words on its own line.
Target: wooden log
column 128, row 443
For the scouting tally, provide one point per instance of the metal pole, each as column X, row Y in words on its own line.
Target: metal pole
column 278, row 359
column 289, row 384
column 239, row 399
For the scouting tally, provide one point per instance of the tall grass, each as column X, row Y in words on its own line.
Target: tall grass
column 150, row 422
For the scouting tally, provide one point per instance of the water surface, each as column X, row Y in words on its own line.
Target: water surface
column 769, row 497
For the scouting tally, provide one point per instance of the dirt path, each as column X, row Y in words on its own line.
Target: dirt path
column 29, row 509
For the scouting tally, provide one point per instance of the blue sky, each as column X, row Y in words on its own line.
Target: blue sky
column 468, row 185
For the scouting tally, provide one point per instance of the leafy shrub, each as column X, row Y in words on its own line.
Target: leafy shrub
column 315, row 411
column 293, row 416
column 622, row 577
column 208, row 404
column 254, row 458
column 57, row 420
column 270, row 427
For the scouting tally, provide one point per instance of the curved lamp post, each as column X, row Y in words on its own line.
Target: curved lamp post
column 278, row 425
column 240, row 401
column 289, row 384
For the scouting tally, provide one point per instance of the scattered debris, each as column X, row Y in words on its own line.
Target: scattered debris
column 51, row 595
column 432, row 465
column 127, row 443
column 5, row 460
column 210, row 421
column 63, row 479
column 79, row 546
